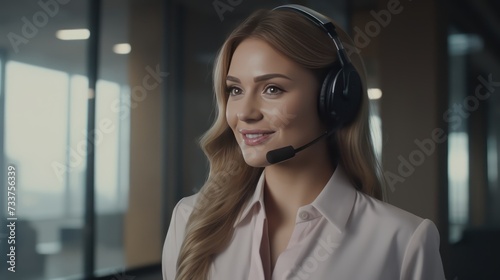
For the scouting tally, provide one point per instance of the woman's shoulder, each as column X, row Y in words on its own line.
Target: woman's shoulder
column 185, row 206
column 175, row 235
column 412, row 239
column 390, row 217
column 189, row 201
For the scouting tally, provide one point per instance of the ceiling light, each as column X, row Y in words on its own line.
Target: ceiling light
column 73, row 34
column 374, row 93
column 124, row 48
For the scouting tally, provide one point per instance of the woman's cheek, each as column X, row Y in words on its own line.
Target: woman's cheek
column 282, row 115
column 230, row 117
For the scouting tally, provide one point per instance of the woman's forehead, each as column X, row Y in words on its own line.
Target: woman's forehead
column 256, row 57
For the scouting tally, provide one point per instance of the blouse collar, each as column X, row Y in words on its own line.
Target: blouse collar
column 335, row 202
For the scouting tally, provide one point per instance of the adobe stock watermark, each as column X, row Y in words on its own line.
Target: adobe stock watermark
column 139, row 92
column 223, row 6
column 454, row 116
column 78, row 154
column 362, row 37
column 381, row 19
column 321, row 252
column 106, row 126
column 221, row 180
column 40, row 19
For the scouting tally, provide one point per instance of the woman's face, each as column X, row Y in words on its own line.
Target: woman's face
column 272, row 101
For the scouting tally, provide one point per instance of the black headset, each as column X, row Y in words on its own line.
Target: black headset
column 341, row 92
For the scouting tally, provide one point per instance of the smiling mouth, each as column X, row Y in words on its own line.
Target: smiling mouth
column 254, row 139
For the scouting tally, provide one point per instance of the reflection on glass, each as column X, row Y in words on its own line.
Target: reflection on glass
column 106, row 138
column 46, row 139
column 35, row 131
column 376, row 133
column 458, row 176
column 492, row 163
column 77, row 150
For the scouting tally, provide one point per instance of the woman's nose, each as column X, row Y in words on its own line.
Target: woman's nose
column 250, row 109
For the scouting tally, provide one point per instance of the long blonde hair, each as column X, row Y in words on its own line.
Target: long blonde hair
column 231, row 181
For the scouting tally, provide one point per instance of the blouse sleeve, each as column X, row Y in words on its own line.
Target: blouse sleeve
column 173, row 242
column 422, row 260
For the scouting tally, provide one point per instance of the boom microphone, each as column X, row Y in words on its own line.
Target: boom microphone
column 288, row 152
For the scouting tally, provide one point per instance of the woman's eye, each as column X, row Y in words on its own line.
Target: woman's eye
column 273, row 90
column 233, row 91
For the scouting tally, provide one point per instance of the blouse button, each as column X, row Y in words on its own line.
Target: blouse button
column 304, row 215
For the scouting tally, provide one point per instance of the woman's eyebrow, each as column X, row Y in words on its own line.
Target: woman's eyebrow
column 259, row 78
column 233, row 79
column 270, row 76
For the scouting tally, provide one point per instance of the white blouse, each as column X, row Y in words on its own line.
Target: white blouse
column 343, row 234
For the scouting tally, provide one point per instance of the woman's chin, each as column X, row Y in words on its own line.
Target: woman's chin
column 255, row 159
column 257, row 162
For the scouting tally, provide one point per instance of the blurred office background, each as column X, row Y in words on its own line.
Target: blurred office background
column 434, row 79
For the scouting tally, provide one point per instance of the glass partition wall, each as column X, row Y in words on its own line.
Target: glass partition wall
column 45, row 134
column 473, row 154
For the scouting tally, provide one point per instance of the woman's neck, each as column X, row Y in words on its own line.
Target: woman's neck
column 296, row 182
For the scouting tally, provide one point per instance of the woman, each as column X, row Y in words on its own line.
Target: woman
column 316, row 215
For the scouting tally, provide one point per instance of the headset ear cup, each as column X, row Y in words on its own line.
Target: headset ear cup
column 323, row 92
column 350, row 99
column 340, row 103
column 331, row 85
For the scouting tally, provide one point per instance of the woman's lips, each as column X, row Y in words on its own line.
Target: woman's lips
column 253, row 138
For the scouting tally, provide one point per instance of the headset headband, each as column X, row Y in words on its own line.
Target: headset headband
column 324, row 23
